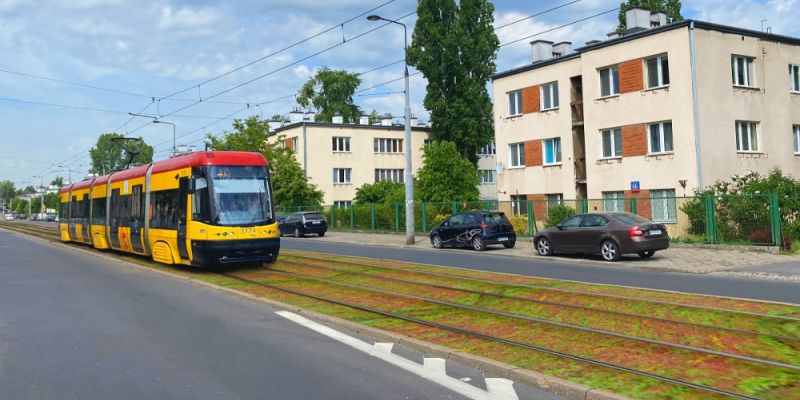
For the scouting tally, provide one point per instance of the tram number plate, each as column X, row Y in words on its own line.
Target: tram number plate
column 251, row 231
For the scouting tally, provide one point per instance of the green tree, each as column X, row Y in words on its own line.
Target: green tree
column 7, row 191
column 51, row 201
column 455, row 47
column 113, row 150
column 290, row 186
column 671, row 7
column 374, row 117
column 445, row 175
column 59, row 181
column 331, row 93
column 379, row 192
column 21, row 207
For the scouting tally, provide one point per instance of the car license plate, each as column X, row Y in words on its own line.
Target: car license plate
column 656, row 232
column 316, row 222
column 502, row 239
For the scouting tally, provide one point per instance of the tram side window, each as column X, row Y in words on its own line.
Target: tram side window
column 99, row 211
column 63, row 214
column 200, row 197
column 165, row 209
column 75, row 212
column 137, row 208
column 85, row 204
column 116, row 203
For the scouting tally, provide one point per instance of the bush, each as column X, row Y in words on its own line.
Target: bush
column 520, row 223
column 558, row 213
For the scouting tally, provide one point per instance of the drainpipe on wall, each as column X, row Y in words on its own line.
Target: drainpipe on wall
column 696, row 110
column 305, row 152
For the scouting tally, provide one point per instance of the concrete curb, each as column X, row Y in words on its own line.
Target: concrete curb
column 557, row 386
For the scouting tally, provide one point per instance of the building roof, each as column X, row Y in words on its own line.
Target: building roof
column 347, row 126
column 649, row 32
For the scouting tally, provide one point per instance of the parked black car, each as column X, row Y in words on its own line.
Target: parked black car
column 609, row 234
column 477, row 229
column 302, row 223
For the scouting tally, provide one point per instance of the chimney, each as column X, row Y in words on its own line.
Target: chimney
column 386, row 121
column 338, row 119
column 273, row 125
column 562, row 49
column 593, row 42
column 614, row 35
column 658, row 19
column 637, row 19
column 295, row 117
column 542, row 50
column 363, row 120
column 309, row 116
column 414, row 121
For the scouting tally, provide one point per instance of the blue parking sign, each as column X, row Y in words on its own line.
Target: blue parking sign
column 635, row 186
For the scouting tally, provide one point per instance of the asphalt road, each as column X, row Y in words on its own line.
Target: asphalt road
column 761, row 289
column 77, row 326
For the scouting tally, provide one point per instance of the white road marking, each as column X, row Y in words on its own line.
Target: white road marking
column 433, row 369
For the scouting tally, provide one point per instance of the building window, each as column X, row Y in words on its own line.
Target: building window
column 394, row 175
column 611, row 143
column 660, row 137
column 341, row 176
column 386, row 145
column 289, row 143
column 614, row 201
column 794, row 78
column 549, row 96
column 743, row 72
column 516, row 155
column 486, row 176
column 519, row 204
column 552, row 151
column 514, row 103
column 553, row 199
column 609, row 81
column 747, row 137
column 488, row 150
column 657, row 72
column 343, row 203
column 796, row 135
column 663, row 205
column 341, row 144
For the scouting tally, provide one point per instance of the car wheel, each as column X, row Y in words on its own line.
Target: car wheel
column 321, row 234
column 436, row 242
column 509, row 245
column 478, row 244
column 543, row 247
column 296, row 232
column 647, row 254
column 610, row 251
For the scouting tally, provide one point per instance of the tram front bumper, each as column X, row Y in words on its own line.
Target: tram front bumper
column 223, row 252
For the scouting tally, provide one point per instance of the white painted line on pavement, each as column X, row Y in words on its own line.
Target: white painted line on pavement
column 433, row 369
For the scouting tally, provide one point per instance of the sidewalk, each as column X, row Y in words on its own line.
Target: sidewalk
column 675, row 259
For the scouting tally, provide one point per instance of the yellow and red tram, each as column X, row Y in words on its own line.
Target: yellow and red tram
column 204, row 208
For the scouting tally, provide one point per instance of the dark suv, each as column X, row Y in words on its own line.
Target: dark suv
column 302, row 223
column 477, row 229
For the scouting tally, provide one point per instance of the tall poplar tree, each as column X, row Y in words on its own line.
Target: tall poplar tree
column 671, row 7
column 455, row 47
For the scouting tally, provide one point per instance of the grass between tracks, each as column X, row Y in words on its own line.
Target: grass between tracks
column 737, row 376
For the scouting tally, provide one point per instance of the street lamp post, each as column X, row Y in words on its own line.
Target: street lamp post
column 409, row 176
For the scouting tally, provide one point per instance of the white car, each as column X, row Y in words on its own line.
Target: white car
column 9, row 217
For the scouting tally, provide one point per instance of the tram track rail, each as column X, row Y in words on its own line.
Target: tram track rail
column 467, row 332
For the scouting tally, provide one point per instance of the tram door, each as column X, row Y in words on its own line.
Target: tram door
column 183, row 193
column 73, row 216
column 113, row 220
column 85, row 206
column 137, row 218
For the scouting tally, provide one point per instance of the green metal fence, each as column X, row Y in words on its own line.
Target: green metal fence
column 749, row 220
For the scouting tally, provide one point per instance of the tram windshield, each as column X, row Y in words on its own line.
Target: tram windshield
column 241, row 195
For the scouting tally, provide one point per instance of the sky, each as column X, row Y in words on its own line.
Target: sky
column 119, row 55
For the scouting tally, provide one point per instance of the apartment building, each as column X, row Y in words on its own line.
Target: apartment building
column 653, row 113
column 340, row 157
